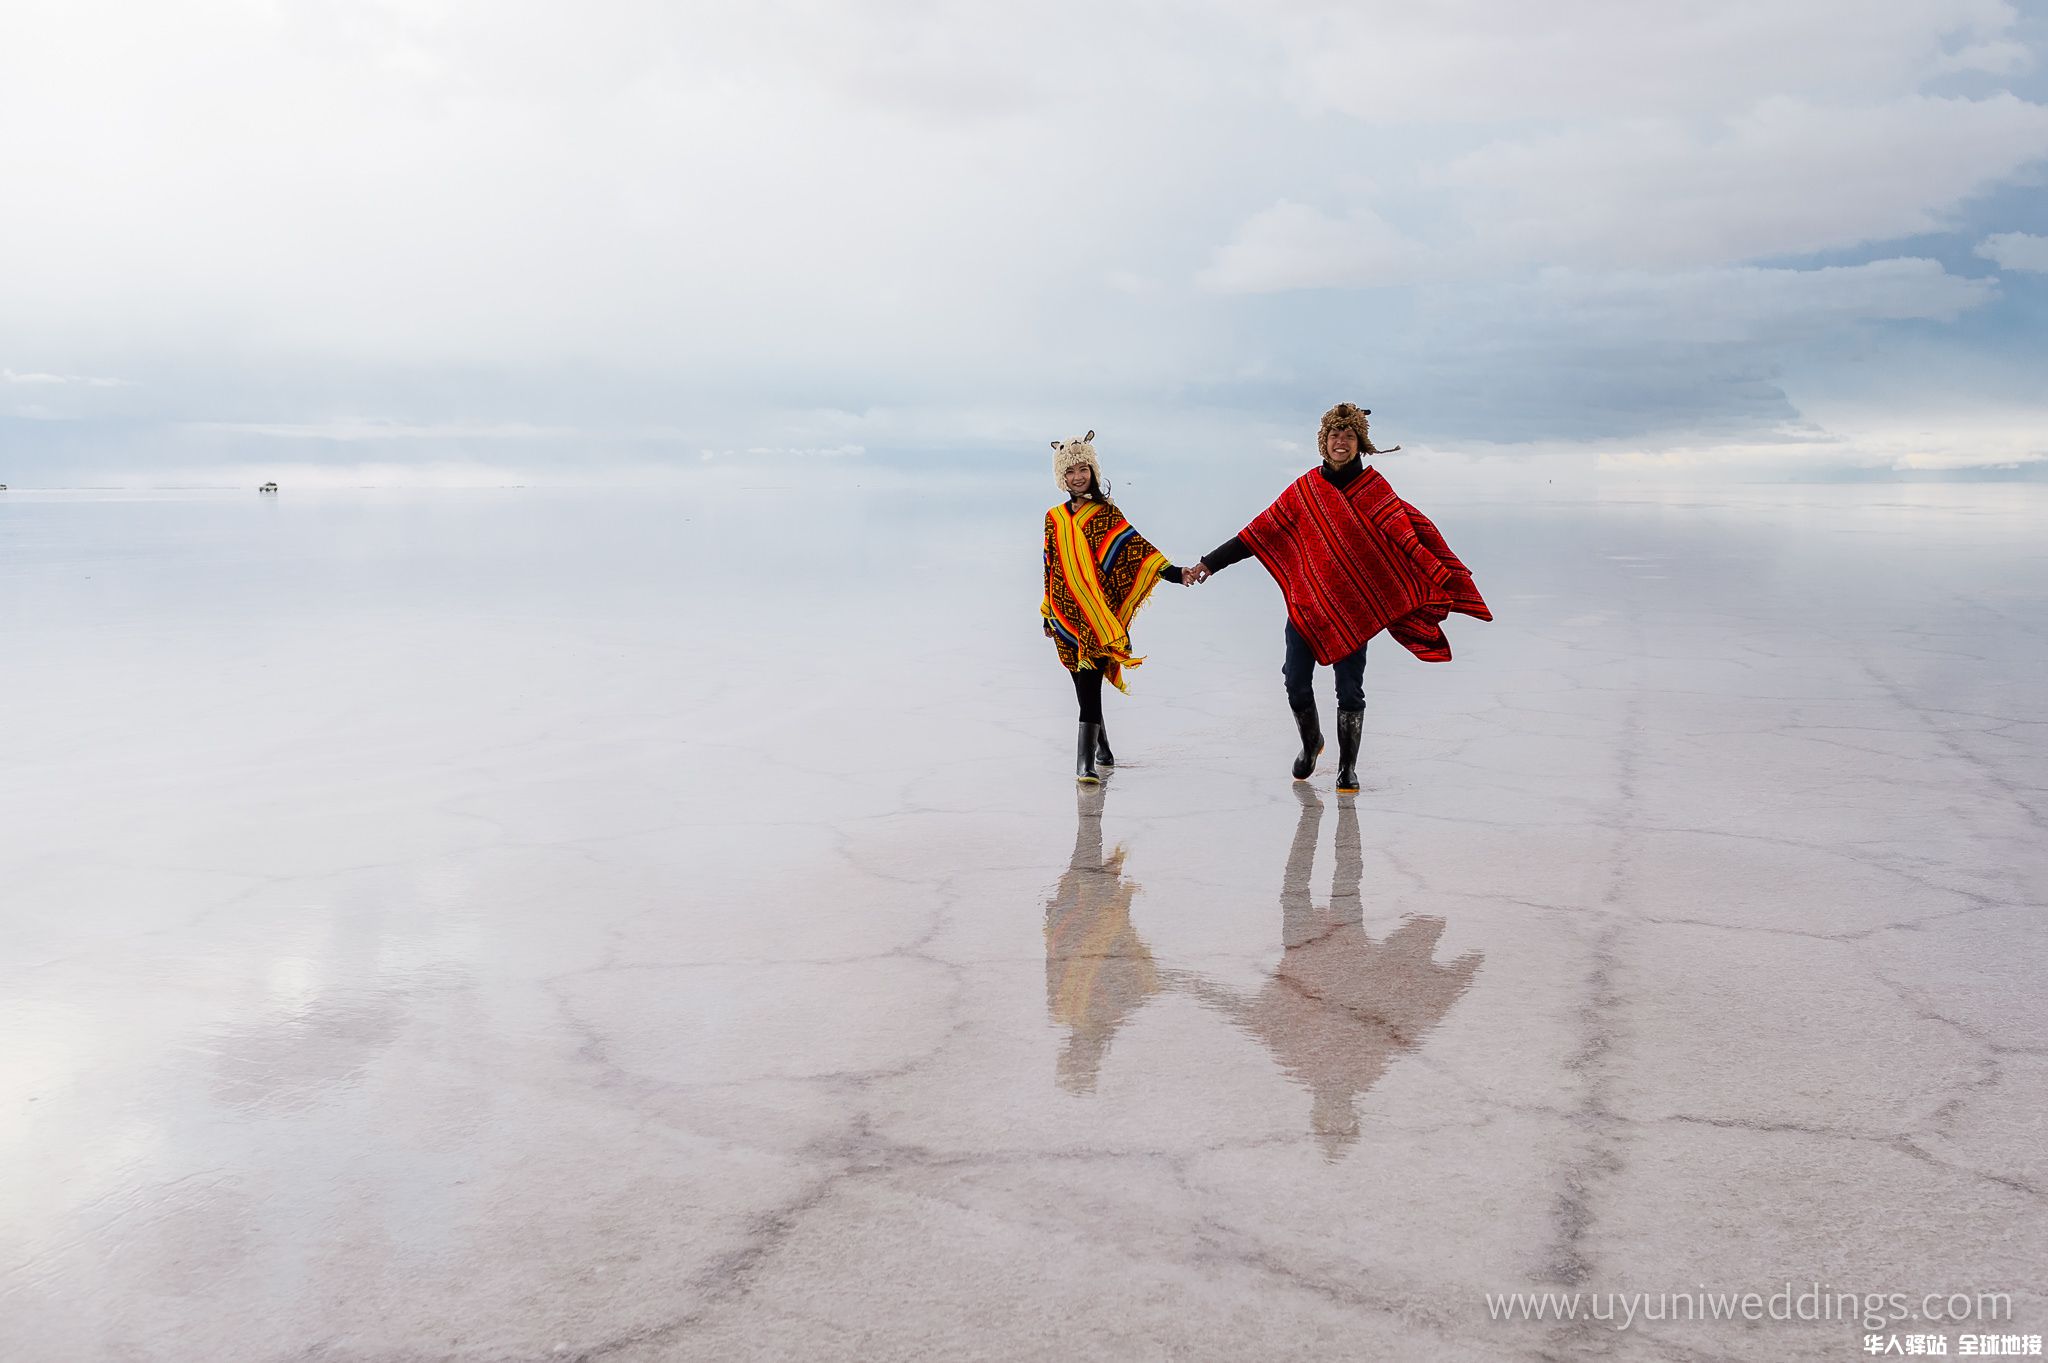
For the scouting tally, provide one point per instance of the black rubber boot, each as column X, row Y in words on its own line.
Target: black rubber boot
column 1084, row 755
column 1311, row 728
column 1103, row 756
column 1350, row 728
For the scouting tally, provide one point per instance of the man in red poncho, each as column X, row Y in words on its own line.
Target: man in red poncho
column 1352, row 559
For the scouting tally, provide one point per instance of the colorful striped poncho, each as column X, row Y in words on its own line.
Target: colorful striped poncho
column 1098, row 571
column 1353, row 561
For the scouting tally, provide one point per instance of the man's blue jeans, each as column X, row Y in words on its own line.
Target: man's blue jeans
column 1300, row 671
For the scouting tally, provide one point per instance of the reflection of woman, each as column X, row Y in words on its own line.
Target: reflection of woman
column 1098, row 571
column 1098, row 971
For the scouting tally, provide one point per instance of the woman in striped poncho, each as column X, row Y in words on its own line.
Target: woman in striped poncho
column 1098, row 571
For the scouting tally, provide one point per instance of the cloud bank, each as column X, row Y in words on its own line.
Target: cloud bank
column 2016, row 251
column 919, row 231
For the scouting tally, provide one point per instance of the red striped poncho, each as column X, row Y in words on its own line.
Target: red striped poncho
column 1356, row 560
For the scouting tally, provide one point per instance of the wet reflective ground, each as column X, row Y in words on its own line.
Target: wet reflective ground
column 651, row 926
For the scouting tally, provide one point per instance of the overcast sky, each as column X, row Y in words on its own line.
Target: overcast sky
column 1745, row 234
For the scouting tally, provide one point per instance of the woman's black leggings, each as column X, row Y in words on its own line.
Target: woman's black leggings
column 1088, row 690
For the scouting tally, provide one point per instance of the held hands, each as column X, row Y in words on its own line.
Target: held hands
column 1194, row 576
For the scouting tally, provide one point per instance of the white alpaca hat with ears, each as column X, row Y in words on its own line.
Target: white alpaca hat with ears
column 1069, row 454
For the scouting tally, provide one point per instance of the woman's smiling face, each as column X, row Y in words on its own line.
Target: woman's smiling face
column 1077, row 479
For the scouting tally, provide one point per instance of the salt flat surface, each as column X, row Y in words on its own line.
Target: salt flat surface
column 662, row 925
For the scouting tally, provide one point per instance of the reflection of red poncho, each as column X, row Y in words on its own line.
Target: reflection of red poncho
column 1356, row 560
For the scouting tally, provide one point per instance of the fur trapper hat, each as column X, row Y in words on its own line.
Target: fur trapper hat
column 1349, row 416
column 1067, row 454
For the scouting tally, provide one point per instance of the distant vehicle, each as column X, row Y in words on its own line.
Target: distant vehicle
column 268, row 487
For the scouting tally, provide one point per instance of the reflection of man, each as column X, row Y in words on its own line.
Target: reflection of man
column 1098, row 971
column 1340, row 1007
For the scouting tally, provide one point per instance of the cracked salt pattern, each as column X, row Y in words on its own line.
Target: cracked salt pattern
column 662, row 925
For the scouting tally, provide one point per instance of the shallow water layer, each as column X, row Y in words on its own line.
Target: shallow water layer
column 663, row 925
